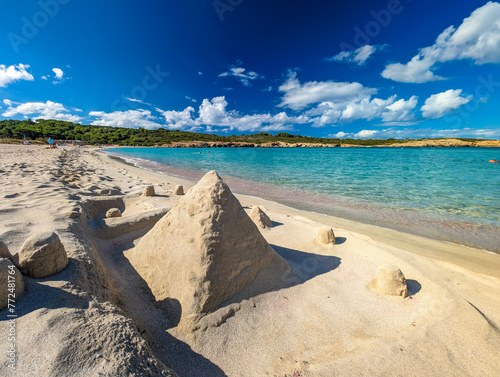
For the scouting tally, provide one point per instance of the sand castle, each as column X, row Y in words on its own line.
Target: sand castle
column 149, row 191
column 389, row 281
column 179, row 190
column 260, row 218
column 325, row 236
column 113, row 212
column 204, row 251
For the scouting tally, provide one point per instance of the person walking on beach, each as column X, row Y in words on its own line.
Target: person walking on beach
column 26, row 141
column 51, row 143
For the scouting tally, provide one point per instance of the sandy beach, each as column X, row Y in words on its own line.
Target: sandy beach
column 101, row 314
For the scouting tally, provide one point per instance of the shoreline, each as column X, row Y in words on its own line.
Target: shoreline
column 473, row 258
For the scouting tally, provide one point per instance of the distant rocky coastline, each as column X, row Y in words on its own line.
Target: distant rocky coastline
column 239, row 144
column 447, row 143
column 282, row 144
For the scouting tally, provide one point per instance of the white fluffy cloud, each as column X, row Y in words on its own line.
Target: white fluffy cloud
column 14, row 73
column 477, row 39
column 418, row 70
column 418, row 133
column 213, row 113
column 179, row 119
column 365, row 134
column 400, row 111
column 129, row 119
column 59, row 73
column 437, row 105
column 339, row 103
column 340, row 135
column 366, row 109
column 358, row 56
column 241, row 74
column 344, row 102
column 396, row 113
column 298, row 96
column 40, row 110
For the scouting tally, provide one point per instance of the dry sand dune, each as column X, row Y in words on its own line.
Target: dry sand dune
column 100, row 316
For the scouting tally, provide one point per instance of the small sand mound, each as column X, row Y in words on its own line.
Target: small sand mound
column 204, row 251
column 260, row 218
column 42, row 255
column 113, row 212
column 179, row 190
column 11, row 282
column 325, row 236
column 389, row 281
column 149, row 191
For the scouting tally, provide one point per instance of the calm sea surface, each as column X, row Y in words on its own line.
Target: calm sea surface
column 446, row 193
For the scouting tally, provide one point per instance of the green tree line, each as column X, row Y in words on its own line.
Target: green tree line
column 60, row 130
column 42, row 129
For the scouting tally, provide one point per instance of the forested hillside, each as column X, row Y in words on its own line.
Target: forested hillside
column 42, row 129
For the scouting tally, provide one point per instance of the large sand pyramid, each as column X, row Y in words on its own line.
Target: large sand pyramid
column 205, row 251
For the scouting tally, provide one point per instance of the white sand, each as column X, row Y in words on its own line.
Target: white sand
column 97, row 317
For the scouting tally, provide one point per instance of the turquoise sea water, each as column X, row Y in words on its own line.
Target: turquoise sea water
column 447, row 193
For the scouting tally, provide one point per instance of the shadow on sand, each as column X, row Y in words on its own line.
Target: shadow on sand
column 413, row 287
column 306, row 266
column 340, row 240
column 47, row 297
column 47, row 293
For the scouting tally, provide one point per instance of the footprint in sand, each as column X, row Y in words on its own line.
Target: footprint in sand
column 11, row 196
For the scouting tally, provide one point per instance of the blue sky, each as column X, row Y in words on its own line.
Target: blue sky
column 361, row 69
